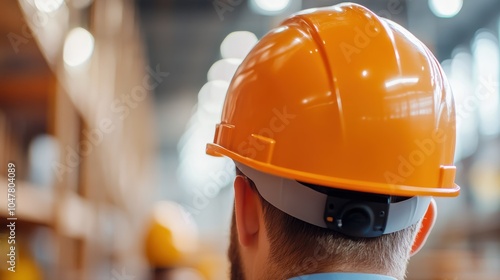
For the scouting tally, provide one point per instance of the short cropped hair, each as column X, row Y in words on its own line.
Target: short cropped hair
column 298, row 248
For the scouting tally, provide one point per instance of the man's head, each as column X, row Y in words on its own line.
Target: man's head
column 267, row 243
column 345, row 124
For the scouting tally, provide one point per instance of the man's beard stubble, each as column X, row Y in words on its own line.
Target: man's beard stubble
column 236, row 271
column 234, row 255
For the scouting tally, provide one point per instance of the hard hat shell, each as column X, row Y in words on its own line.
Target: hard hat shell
column 340, row 97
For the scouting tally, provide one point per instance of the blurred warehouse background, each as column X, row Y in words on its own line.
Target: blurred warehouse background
column 106, row 107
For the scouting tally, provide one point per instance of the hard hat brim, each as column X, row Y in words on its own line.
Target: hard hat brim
column 327, row 181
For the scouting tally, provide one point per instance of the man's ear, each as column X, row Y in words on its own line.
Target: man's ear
column 425, row 227
column 247, row 211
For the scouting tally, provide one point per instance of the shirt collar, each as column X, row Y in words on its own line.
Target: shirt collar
column 343, row 276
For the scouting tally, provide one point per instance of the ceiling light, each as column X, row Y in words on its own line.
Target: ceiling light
column 445, row 8
column 223, row 69
column 269, row 8
column 237, row 44
column 48, row 6
column 78, row 47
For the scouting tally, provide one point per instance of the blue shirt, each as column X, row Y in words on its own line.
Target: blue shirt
column 343, row 276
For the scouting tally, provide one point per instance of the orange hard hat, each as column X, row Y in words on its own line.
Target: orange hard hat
column 342, row 98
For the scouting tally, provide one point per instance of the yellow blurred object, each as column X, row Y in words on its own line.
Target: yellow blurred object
column 485, row 182
column 25, row 267
column 212, row 265
column 172, row 236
